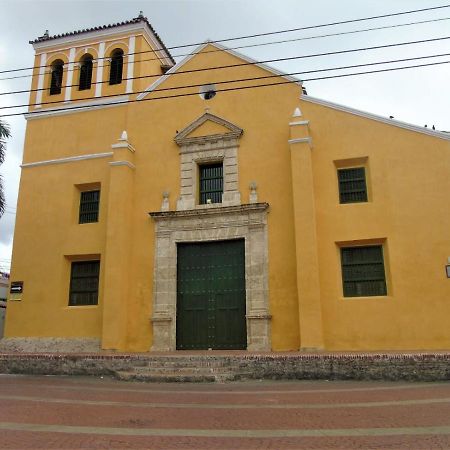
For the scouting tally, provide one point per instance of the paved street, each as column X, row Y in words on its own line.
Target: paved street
column 100, row 413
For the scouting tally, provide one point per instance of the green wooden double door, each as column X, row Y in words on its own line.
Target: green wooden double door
column 211, row 295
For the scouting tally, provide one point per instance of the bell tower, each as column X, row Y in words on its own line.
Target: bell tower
column 109, row 63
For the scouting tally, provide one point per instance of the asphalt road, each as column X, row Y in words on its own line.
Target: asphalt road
column 101, row 413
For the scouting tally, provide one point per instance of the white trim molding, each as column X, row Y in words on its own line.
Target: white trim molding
column 100, row 65
column 300, row 122
column 123, row 163
column 70, row 70
column 104, row 34
column 300, row 140
column 175, row 68
column 130, row 65
column 368, row 115
column 69, row 159
column 42, row 62
column 71, row 108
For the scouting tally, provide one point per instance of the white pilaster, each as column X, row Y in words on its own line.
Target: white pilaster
column 69, row 77
column 130, row 66
column 100, row 64
column 40, row 86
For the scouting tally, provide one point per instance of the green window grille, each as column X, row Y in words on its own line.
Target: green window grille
column 89, row 205
column 84, row 283
column 211, row 183
column 363, row 272
column 352, row 185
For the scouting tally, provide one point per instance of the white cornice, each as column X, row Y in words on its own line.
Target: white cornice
column 300, row 140
column 300, row 122
column 103, row 34
column 175, row 68
column 368, row 115
column 75, row 107
column 123, row 163
column 89, row 35
column 69, row 159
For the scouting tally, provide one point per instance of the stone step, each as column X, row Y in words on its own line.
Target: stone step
column 184, row 374
column 181, row 370
column 182, row 362
column 170, row 377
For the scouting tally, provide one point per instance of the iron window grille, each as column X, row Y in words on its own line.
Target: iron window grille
column 56, row 78
column 116, row 68
column 352, row 185
column 84, row 283
column 89, row 206
column 211, row 183
column 363, row 273
column 85, row 73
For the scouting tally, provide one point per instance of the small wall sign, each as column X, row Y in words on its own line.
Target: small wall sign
column 16, row 290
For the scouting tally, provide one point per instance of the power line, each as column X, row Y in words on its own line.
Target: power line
column 259, row 45
column 226, row 89
column 256, row 45
column 250, row 36
column 290, row 58
column 246, row 79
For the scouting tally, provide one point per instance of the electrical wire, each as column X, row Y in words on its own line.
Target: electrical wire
column 243, row 79
column 30, row 113
column 269, row 43
column 290, row 58
column 261, row 44
column 263, row 34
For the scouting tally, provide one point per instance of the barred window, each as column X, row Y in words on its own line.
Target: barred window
column 116, row 68
column 363, row 272
column 84, row 283
column 89, row 206
column 56, row 77
column 85, row 73
column 211, row 183
column 352, row 185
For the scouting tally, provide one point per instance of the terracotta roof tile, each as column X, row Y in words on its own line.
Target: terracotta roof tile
column 138, row 19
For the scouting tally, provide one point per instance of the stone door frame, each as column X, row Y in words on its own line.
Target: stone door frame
column 248, row 222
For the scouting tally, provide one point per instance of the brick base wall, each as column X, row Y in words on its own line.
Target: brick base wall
column 411, row 366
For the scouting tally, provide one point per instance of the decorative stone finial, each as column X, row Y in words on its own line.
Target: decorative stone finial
column 141, row 15
column 207, row 110
column 46, row 33
column 124, row 136
column 165, row 201
column 297, row 113
column 253, row 194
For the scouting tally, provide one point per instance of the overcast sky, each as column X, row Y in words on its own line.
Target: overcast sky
column 419, row 96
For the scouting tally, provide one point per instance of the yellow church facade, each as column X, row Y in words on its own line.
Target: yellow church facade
column 213, row 204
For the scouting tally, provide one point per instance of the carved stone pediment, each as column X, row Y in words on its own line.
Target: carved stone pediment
column 208, row 128
column 208, row 139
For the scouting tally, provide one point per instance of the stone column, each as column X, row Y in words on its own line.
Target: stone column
column 116, row 291
column 308, row 284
